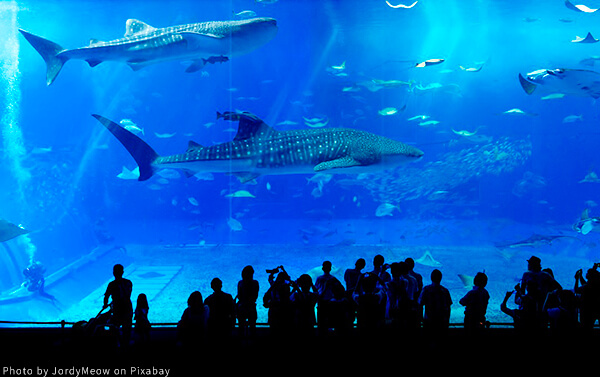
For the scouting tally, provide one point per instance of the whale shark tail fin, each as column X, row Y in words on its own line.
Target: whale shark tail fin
column 141, row 152
column 50, row 52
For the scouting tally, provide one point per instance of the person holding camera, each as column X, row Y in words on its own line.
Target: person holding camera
column 277, row 301
column 304, row 299
column 589, row 296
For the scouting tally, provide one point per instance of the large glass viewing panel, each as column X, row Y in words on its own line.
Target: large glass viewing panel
column 469, row 144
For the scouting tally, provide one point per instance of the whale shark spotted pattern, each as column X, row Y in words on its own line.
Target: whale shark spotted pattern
column 257, row 149
column 142, row 45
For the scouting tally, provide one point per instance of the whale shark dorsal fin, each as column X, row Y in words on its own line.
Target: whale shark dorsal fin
column 133, row 27
column 249, row 125
column 192, row 146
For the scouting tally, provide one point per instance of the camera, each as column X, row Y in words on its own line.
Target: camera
column 274, row 270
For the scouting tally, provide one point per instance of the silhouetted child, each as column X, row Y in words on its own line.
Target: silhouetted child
column 142, row 324
column 475, row 303
column 247, row 294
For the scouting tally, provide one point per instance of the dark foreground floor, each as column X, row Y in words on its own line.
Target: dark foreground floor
column 60, row 352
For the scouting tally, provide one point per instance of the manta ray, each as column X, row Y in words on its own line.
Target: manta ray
column 201, row 43
column 9, row 230
column 257, row 149
column 574, row 82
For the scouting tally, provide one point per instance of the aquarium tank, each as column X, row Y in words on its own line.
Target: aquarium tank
column 187, row 139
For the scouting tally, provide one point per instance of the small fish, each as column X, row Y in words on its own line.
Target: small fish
column 464, row 132
column 245, row 14
column 130, row 126
column 340, row 67
column 572, row 118
column 429, row 62
column 388, row 111
column 385, row 209
column 164, row 136
column 234, row 224
column 401, row 5
column 429, row 123
column 518, row 112
column 240, row 194
column 193, row 201
column 471, row 69
column 553, row 96
column 215, row 59
column 287, row 123
column 419, row 117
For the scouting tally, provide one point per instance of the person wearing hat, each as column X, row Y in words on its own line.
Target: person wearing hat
column 536, row 282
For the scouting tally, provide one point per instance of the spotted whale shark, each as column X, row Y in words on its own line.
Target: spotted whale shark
column 258, row 149
column 142, row 45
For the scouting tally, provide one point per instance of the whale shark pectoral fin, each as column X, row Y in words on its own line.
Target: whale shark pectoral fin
column 137, row 64
column 203, row 42
column 339, row 163
column 527, row 86
column 195, row 66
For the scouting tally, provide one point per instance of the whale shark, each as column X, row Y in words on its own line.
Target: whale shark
column 535, row 240
column 258, row 149
column 201, row 43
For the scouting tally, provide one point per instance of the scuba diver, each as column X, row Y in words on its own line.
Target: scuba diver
column 34, row 275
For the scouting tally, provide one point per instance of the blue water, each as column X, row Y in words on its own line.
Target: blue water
column 65, row 181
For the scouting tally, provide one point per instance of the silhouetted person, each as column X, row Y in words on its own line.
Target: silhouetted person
column 543, row 281
column 397, row 302
column 277, row 300
column 304, row 299
column 191, row 328
column 221, row 318
column 325, row 285
column 436, row 301
column 419, row 278
column 142, row 324
column 351, row 277
column 589, row 293
column 343, row 311
column 475, row 303
column 119, row 290
column 527, row 317
column 247, row 294
column 562, row 317
column 379, row 269
column 412, row 289
column 371, row 302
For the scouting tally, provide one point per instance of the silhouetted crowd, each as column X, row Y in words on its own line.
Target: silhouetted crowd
column 391, row 298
